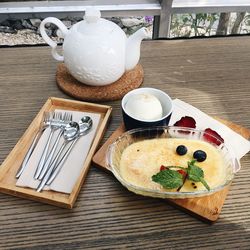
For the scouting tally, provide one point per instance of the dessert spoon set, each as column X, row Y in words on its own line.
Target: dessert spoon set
column 53, row 157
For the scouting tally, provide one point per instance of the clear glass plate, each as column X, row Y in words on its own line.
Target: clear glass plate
column 116, row 149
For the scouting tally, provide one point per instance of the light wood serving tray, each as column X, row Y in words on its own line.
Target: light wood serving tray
column 13, row 161
column 206, row 208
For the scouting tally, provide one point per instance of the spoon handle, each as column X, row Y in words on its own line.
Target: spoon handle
column 29, row 153
column 59, row 166
column 51, row 167
column 49, row 158
column 43, row 156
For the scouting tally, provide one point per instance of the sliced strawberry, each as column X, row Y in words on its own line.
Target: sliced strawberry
column 186, row 121
column 182, row 172
column 213, row 137
column 163, row 168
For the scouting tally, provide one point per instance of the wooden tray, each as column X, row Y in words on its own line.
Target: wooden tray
column 207, row 208
column 14, row 159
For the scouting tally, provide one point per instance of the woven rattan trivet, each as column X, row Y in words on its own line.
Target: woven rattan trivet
column 115, row 91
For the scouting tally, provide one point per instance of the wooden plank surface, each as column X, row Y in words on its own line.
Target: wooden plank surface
column 211, row 74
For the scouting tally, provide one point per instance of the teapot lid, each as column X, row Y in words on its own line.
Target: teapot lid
column 93, row 24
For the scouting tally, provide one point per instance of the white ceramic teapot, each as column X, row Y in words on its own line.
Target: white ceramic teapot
column 96, row 51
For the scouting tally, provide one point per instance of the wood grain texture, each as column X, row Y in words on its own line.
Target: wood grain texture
column 211, row 74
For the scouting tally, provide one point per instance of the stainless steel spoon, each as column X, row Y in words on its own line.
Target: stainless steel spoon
column 85, row 124
column 71, row 131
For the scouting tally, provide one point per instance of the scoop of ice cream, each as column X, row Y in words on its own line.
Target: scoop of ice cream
column 144, row 107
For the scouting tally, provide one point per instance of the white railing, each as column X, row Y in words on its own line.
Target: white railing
column 112, row 7
column 161, row 9
column 210, row 6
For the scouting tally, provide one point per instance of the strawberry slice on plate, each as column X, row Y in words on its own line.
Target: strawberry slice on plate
column 212, row 137
column 186, row 121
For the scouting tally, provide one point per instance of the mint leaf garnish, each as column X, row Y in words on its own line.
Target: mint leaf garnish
column 196, row 174
column 204, row 183
column 174, row 178
column 168, row 179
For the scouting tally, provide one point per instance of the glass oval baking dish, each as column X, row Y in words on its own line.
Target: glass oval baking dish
column 116, row 149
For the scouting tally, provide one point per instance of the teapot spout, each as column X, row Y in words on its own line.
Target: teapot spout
column 133, row 47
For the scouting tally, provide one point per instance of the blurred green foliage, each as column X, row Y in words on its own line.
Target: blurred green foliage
column 186, row 25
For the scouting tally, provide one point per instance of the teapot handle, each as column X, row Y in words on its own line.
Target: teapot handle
column 48, row 40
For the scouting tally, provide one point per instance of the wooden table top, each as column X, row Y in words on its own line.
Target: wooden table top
column 211, row 74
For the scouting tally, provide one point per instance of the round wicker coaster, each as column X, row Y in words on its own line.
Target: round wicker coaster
column 115, row 91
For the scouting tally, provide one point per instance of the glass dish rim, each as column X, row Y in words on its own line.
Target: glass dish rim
column 159, row 193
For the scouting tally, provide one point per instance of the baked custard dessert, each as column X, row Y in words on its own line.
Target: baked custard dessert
column 173, row 164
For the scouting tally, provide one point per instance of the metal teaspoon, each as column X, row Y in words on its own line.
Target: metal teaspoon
column 85, row 124
column 71, row 131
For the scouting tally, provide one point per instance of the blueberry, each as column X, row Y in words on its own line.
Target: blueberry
column 181, row 150
column 200, row 155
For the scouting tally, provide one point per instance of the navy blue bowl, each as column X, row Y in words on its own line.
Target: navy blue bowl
column 131, row 122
